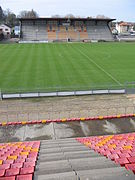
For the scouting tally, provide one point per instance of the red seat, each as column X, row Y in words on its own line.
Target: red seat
column 32, row 159
column 24, row 177
column 2, row 172
column 12, row 172
column 19, row 160
column 7, row 178
column 131, row 159
column 113, row 156
column 29, row 164
column 120, row 148
column 29, row 170
column 15, row 154
column 122, row 161
column 9, row 161
column 124, row 155
column 130, row 166
column 5, row 166
column 16, row 165
column 132, row 154
column 14, row 161
column 32, row 155
column 22, row 156
column 3, row 158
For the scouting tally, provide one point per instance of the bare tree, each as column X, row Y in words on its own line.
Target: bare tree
column 28, row 14
column 10, row 18
column 134, row 27
column 102, row 17
column 69, row 16
column 89, row 17
column 1, row 15
column 56, row 16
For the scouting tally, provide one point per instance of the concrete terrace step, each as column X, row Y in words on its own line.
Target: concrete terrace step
column 44, row 168
column 62, row 149
column 61, row 145
column 70, row 160
column 53, row 170
column 58, row 141
column 58, row 176
column 91, row 163
column 117, row 173
column 64, row 156
column 59, row 166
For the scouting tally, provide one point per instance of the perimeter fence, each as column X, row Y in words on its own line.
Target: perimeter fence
column 62, row 91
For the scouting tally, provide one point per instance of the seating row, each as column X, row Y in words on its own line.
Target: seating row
column 119, row 148
column 18, row 160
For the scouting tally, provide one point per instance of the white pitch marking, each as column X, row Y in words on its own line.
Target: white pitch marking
column 100, row 67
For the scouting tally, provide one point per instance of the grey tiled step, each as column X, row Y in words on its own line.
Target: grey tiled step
column 53, row 170
column 114, row 173
column 61, row 145
column 59, row 141
column 92, row 172
column 49, row 146
column 68, row 144
column 64, row 156
column 57, row 176
column 53, row 167
column 46, row 155
column 81, row 155
column 52, row 157
column 63, row 149
column 52, row 163
column 50, row 150
column 75, row 148
column 91, row 163
column 108, row 177
column 42, row 154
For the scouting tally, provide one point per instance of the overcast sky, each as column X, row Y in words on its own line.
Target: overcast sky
column 119, row 9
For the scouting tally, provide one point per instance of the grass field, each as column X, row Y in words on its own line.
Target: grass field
column 32, row 67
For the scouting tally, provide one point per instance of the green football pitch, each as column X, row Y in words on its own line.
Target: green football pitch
column 65, row 66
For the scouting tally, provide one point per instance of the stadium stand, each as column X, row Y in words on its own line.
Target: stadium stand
column 68, row 159
column 99, row 31
column 35, row 31
column 75, row 29
column 61, row 159
column 119, row 148
column 18, row 160
column 55, row 156
column 51, row 36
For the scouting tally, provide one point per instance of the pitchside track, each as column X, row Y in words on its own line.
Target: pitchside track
column 65, row 66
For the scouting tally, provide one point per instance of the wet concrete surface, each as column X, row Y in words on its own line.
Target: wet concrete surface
column 66, row 130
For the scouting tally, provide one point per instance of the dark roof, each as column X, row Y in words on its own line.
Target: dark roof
column 6, row 25
column 77, row 19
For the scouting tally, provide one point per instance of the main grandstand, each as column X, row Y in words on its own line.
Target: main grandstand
column 65, row 29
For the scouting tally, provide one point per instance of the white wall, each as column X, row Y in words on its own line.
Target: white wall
column 6, row 30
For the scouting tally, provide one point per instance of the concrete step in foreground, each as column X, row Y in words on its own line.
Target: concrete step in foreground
column 69, row 160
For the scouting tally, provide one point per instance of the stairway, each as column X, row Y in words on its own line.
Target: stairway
column 67, row 159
